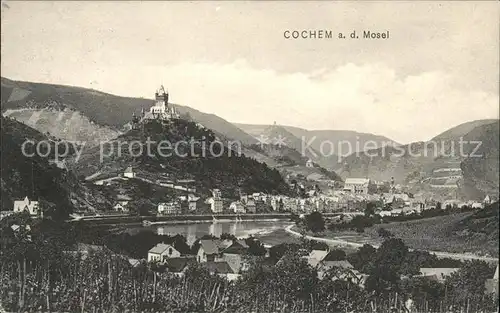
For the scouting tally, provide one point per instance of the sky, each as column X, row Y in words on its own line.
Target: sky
column 438, row 68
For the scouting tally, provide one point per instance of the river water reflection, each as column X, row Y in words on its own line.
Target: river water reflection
column 197, row 230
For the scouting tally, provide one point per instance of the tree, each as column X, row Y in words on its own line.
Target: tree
column 384, row 233
column 295, row 277
column 386, row 271
column 359, row 222
column 363, row 258
column 315, row 222
column 318, row 245
column 255, row 247
column 468, row 282
column 370, row 209
column 278, row 251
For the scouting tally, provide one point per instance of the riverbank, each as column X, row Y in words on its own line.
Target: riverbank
column 184, row 219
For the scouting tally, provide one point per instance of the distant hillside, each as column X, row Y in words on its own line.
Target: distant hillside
column 76, row 113
column 418, row 160
column 462, row 129
column 58, row 190
column 227, row 172
column 481, row 172
column 276, row 134
column 316, row 137
column 285, row 150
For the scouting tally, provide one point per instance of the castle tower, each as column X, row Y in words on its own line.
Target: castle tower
column 161, row 97
column 162, row 109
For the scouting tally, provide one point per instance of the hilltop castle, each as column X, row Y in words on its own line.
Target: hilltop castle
column 162, row 109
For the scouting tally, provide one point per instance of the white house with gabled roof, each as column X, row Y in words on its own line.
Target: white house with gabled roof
column 161, row 252
column 129, row 172
column 26, row 205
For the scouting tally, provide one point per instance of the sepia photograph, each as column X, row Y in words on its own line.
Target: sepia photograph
column 250, row 156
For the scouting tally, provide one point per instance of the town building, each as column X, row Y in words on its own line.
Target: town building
column 216, row 204
column 237, row 207
column 27, row 205
column 250, row 206
column 119, row 207
column 161, row 252
column 168, row 208
column 192, row 202
column 235, row 256
column 209, row 250
column 357, row 185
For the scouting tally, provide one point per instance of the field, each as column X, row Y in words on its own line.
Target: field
column 436, row 234
column 277, row 237
column 442, row 233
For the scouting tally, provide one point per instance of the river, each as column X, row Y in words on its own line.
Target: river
column 193, row 231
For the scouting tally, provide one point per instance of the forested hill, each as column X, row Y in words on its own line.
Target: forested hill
column 206, row 164
column 58, row 190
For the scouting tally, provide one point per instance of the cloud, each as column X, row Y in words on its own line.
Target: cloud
column 362, row 97
column 439, row 69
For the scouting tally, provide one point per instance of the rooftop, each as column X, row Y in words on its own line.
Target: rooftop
column 218, row 267
column 210, row 246
column 160, row 248
column 315, row 257
column 179, row 264
column 342, row 264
